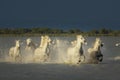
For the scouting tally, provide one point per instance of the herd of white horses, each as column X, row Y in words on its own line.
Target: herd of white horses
column 74, row 52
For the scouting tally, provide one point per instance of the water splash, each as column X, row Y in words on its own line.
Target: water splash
column 60, row 51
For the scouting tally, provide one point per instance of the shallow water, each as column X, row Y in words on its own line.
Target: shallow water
column 59, row 72
column 109, row 69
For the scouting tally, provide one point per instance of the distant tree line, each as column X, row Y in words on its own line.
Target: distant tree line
column 23, row 31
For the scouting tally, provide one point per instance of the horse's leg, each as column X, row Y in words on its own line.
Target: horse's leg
column 47, row 54
column 13, row 59
column 81, row 59
column 18, row 58
column 36, row 55
column 99, row 57
column 10, row 56
column 92, row 57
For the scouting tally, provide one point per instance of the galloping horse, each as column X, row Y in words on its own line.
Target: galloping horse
column 14, row 52
column 75, row 53
column 30, row 46
column 41, row 54
column 95, row 52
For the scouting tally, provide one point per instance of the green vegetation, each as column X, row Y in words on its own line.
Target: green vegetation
column 56, row 32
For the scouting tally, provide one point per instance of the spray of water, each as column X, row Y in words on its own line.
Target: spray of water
column 59, row 51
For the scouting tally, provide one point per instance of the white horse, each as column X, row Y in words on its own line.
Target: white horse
column 30, row 46
column 95, row 55
column 75, row 53
column 14, row 52
column 29, row 50
column 41, row 54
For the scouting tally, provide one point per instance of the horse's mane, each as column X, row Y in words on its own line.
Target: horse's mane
column 95, row 43
column 43, row 40
column 79, row 36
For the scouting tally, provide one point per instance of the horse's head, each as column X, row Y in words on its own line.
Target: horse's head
column 48, row 40
column 74, row 43
column 98, row 43
column 45, row 40
column 81, row 39
column 17, row 43
column 29, row 41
